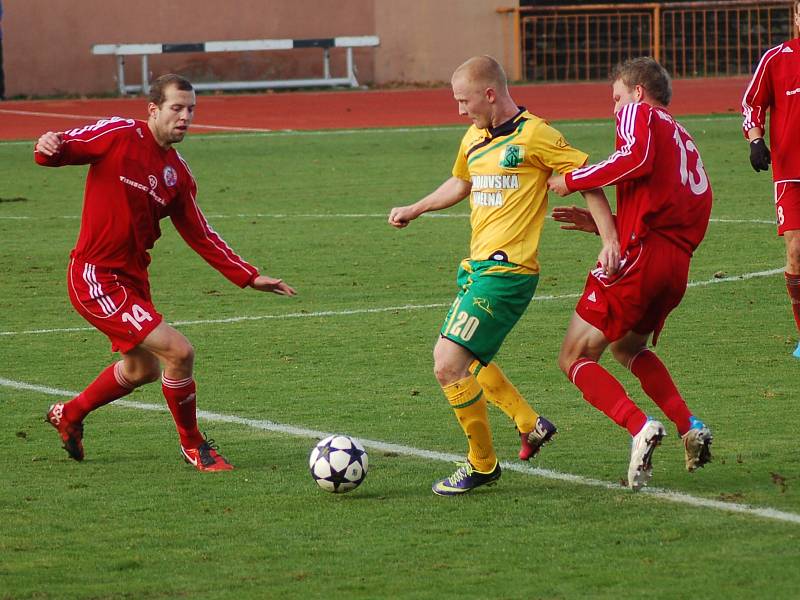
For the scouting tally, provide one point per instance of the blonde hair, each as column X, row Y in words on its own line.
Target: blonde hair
column 484, row 70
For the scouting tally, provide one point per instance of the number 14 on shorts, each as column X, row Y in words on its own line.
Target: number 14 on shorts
column 136, row 317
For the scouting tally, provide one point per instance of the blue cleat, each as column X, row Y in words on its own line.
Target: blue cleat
column 465, row 478
column 697, row 444
column 796, row 352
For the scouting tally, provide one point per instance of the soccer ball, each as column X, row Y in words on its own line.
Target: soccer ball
column 338, row 464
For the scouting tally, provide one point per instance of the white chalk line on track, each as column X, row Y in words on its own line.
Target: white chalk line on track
column 33, row 113
column 264, row 425
column 362, row 311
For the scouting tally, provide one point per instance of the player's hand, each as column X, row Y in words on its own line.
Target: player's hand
column 401, row 216
column 579, row 219
column 49, row 143
column 558, row 184
column 759, row 155
column 265, row 283
column 609, row 257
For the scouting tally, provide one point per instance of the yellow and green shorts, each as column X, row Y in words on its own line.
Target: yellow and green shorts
column 492, row 297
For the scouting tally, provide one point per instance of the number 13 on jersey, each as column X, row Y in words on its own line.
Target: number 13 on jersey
column 697, row 179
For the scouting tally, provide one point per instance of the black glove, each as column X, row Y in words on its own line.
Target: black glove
column 759, row 155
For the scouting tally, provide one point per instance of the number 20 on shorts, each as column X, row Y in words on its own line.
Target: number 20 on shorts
column 464, row 326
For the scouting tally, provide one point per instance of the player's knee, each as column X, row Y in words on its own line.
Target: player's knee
column 441, row 372
column 447, row 372
column 181, row 355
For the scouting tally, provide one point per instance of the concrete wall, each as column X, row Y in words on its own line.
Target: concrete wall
column 425, row 40
column 47, row 42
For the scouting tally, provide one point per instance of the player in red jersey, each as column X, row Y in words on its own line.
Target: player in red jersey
column 663, row 207
column 775, row 87
column 135, row 179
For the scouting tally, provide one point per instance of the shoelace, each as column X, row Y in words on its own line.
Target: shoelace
column 205, row 450
column 463, row 471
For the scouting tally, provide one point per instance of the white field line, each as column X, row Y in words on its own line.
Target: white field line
column 385, row 215
column 361, row 311
column 662, row 494
column 258, row 132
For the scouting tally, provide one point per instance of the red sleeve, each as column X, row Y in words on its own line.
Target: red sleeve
column 633, row 159
column 195, row 230
column 87, row 144
column 758, row 95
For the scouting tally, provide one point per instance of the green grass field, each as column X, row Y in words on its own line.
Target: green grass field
column 352, row 354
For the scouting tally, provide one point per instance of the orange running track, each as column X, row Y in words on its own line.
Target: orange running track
column 27, row 119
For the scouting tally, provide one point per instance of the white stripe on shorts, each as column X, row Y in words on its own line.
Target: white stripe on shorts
column 96, row 291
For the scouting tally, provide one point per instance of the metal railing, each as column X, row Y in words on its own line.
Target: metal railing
column 691, row 39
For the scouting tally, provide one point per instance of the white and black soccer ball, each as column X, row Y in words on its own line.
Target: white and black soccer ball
column 338, row 464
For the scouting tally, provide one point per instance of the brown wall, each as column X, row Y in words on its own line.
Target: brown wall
column 425, row 40
column 47, row 43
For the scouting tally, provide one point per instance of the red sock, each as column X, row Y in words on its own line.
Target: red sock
column 657, row 383
column 182, row 402
column 108, row 386
column 606, row 394
column 793, row 287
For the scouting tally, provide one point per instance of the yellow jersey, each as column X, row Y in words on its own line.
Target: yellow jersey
column 508, row 167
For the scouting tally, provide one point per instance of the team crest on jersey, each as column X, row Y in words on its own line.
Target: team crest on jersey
column 170, row 176
column 512, row 157
column 153, row 181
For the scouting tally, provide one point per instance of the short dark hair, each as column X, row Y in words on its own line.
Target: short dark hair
column 648, row 73
column 160, row 85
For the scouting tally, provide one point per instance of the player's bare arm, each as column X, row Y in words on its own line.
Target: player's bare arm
column 49, row 143
column 604, row 222
column 265, row 283
column 578, row 219
column 451, row 192
column 558, row 184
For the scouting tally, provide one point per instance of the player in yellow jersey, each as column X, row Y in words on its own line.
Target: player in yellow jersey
column 503, row 164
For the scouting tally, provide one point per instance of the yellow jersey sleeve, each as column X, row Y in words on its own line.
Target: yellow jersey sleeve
column 551, row 151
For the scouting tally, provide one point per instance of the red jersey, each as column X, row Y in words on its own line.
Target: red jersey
column 662, row 187
column 776, row 86
column 132, row 184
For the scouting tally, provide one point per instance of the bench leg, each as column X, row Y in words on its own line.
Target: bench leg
column 351, row 75
column 121, row 74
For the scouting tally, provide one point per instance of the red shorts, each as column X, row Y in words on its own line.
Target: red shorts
column 114, row 304
column 787, row 205
column 649, row 285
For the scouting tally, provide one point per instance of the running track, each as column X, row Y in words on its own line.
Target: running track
column 27, row 119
